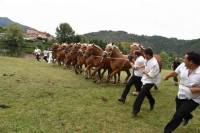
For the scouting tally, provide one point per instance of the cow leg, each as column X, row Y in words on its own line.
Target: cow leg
column 76, row 69
column 113, row 73
column 108, row 77
column 87, row 71
column 102, row 74
column 95, row 70
column 119, row 74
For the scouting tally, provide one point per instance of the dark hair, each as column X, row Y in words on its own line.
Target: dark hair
column 138, row 53
column 148, row 51
column 194, row 57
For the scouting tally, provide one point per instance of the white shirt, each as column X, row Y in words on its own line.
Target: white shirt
column 186, row 82
column 152, row 67
column 50, row 57
column 37, row 51
column 139, row 62
column 45, row 52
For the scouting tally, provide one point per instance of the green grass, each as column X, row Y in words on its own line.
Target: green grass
column 44, row 98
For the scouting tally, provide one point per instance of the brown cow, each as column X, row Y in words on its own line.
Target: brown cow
column 119, row 62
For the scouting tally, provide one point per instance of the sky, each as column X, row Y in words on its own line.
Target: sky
column 168, row 18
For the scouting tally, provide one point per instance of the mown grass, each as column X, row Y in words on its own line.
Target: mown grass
column 45, row 98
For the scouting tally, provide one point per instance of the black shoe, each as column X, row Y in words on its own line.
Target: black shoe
column 156, row 87
column 121, row 100
column 152, row 106
column 186, row 121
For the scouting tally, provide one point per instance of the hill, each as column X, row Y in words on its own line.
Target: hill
column 31, row 33
column 4, row 21
column 47, row 98
column 158, row 43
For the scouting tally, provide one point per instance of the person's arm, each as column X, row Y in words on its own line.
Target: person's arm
column 152, row 72
column 138, row 66
column 195, row 89
column 172, row 74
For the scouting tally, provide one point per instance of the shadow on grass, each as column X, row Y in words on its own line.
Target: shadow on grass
column 3, row 106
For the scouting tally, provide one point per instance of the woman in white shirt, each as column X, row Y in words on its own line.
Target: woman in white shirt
column 188, row 97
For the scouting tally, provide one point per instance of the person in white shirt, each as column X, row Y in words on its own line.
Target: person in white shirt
column 50, row 57
column 150, row 78
column 37, row 53
column 188, row 97
column 136, row 76
column 45, row 55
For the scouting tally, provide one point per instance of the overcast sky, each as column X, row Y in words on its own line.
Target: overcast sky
column 169, row 18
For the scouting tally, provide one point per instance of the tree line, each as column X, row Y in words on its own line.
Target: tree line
column 12, row 41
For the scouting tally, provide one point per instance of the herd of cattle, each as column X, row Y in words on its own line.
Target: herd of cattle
column 91, row 59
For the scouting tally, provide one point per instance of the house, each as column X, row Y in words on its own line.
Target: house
column 33, row 34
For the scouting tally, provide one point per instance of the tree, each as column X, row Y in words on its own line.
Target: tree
column 2, row 30
column 13, row 38
column 77, row 39
column 100, row 43
column 64, row 33
column 166, row 60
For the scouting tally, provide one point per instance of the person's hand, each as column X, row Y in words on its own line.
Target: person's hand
column 165, row 78
column 132, row 64
column 141, row 67
column 145, row 72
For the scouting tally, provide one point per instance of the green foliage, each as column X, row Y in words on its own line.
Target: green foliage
column 84, row 39
column 13, row 39
column 100, row 43
column 2, row 30
column 27, row 47
column 166, row 60
column 64, row 33
column 123, row 46
column 13, row 44
column 172, row 46
column 13, row 35
column 76, row 38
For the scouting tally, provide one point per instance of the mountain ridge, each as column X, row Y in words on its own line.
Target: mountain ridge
column 5, row 21
column 31, row 33
column 158, row 43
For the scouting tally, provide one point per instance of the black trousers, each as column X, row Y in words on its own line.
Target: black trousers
column 133, row 80
column 184, row 107
column 145, row 92
column 37, row 56
column 45, row 58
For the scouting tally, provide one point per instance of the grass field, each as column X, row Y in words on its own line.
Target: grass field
column 44, row 98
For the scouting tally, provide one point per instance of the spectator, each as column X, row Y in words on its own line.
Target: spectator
column 175, row 64
column 50, row 56
column 45, row 53
column 37, row 53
